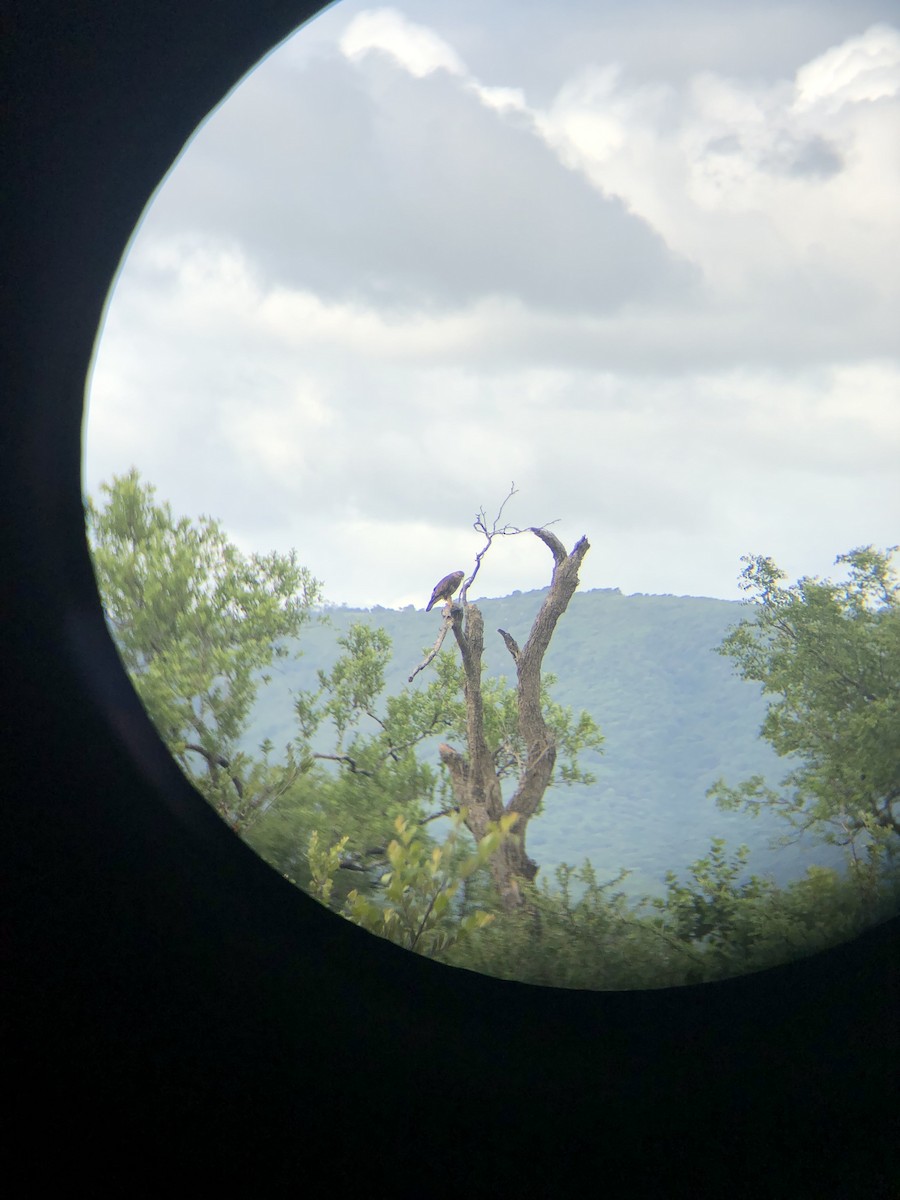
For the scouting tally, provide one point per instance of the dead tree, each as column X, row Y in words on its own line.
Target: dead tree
column 474, row 774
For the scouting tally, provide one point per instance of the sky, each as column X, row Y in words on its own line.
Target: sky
column 639, row 259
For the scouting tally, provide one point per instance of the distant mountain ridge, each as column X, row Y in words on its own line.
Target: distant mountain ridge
column 674, row 714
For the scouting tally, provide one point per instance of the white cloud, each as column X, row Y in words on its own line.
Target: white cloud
column 747, row 179
column 414, row 47
column 383, row 550
column 503, row 99
column 678, row 432
column 860, row 69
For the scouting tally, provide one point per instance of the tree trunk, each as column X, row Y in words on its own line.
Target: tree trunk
column 473, row 776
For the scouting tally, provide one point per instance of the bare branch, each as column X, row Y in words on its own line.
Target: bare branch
column 444, row 812
column 481, row 516
column 490, row 531
column 562, row 588
column 511, row 644
column 550, row 539
column 213, row 761
column 346, row 863
column 396, row 751
column 439, row 641
column 345, row 758
column 495, row 530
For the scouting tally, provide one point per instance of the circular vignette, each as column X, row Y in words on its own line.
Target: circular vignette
column 191, row 391
column 127, row 928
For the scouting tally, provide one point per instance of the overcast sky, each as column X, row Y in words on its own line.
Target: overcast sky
column 640, row 258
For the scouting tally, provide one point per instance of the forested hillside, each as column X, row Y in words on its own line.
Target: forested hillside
column 674, row 715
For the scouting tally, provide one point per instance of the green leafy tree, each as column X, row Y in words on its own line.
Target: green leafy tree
column 374, row 771
column 514, row 736
column 197, row 623
column 735, row 924
column 580, row 933
column 323, row 862
column 713, row 924
column 415, row 908
column 504, row 734
column 830, row 655
column 378, row 767
column 713, row 910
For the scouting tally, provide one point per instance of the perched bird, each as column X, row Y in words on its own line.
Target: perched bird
column 445, row 589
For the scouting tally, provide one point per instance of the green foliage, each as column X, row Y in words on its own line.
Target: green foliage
column 198, row 626
column 714, row 910
column 351, row 692
column 280, row 835
column 591, row 940
column 323, row 862
column 501, row 725
column 373, row 773
column 750, row 926
column 377, row 769
column 581, row 934
column 673, row 715
column 712, row 922
column 196, row 622
column 351, row 688
column 830, row 654
column 415, row 908
column 706, row 909
column 572, row 735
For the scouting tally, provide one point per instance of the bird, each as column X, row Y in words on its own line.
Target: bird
column 445, row 589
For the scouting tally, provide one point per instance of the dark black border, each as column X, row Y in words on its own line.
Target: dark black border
column 171, row 1003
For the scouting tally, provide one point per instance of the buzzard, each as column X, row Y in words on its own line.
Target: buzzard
column 445, row 589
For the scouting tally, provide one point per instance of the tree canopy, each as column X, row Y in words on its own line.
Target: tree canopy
column 195, row 622
column 829, row 655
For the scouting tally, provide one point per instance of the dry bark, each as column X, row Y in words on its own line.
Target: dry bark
column 473, row 775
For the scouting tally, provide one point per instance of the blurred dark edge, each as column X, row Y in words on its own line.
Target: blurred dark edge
column 169, row 1001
